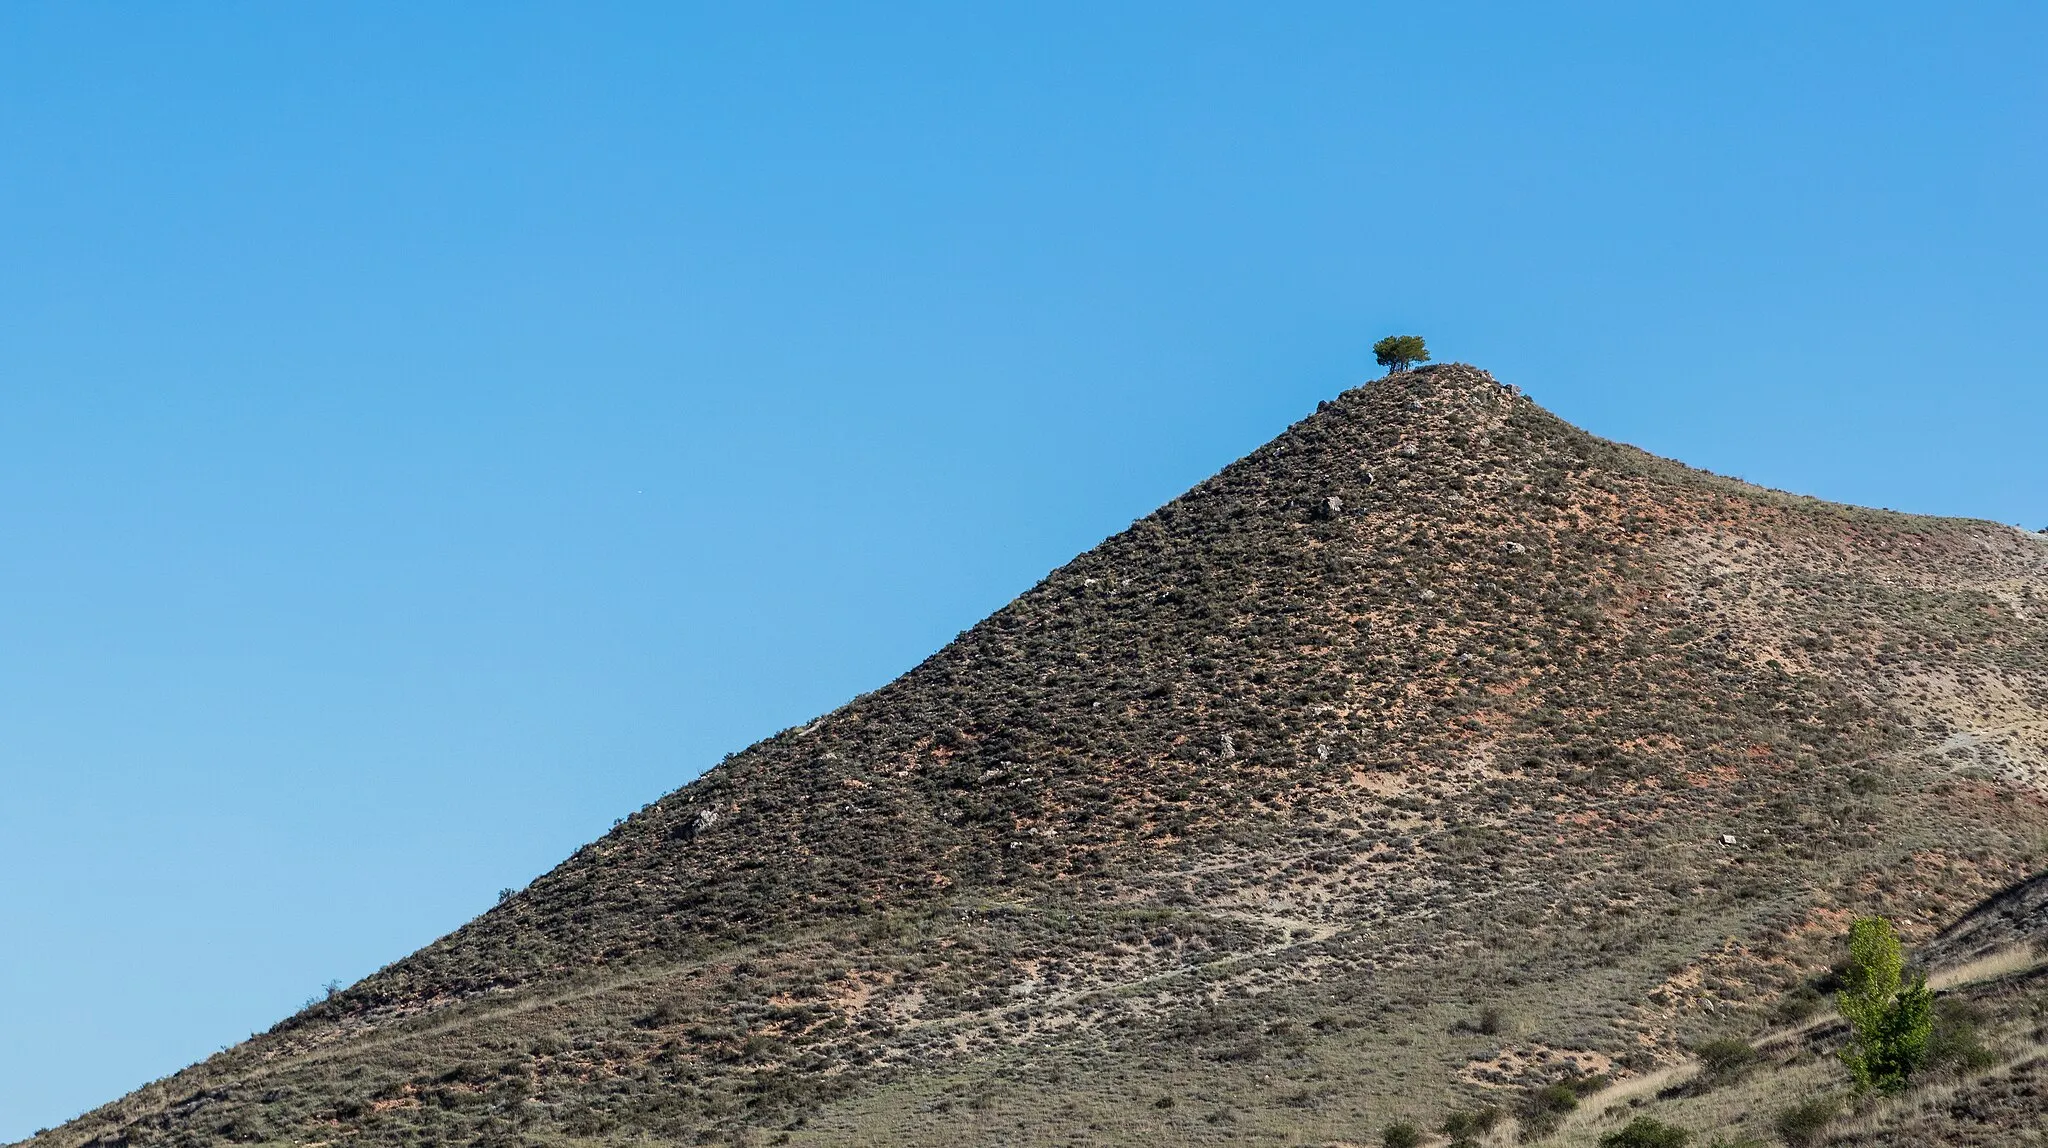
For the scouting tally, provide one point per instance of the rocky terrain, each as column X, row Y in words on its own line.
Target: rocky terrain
column 1436, row 758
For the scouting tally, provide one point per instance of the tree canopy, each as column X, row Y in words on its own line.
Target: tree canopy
column 1398, row 352
column 1890, row 1010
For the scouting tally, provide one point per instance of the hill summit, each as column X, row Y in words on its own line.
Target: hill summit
column 1436, row 756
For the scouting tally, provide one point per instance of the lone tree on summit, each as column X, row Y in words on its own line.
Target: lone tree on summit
column 1397, row 352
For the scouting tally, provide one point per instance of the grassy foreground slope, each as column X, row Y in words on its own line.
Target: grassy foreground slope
column 1435, row 750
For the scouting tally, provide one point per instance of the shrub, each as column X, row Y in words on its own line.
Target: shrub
column 1890, row 1011
column 1401, row 1134
column 1544, row 1108
column 1799, row 1004
column 1724, row 1060
column 1465, row 1125
column 1801, row 1125
column 1956, row 1042
column 1558, row 1098
column 1465, row 1128
column 1643, row 1132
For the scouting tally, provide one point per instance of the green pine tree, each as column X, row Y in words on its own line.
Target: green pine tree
column 1397, row 352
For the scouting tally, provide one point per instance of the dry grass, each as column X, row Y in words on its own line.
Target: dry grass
column 2011, row 959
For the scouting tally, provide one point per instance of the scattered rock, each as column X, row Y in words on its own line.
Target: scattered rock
column 1409, row 450
column 1330, row 507
column 695, row 827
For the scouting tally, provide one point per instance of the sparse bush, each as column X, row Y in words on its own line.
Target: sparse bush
column 1401, row 1134
column 1467, row 1125
column 1722, row 1061
column 1588, row 1085
column 1491, row 1021
column 1799, row 1004
column 1890, row 1011
column 1643, row 1132
column 1465, row 1128
column 1957, row 1042
column 1802, row 1124
column 1544, row 1108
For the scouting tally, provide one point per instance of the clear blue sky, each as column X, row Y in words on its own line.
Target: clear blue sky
column 430, row 432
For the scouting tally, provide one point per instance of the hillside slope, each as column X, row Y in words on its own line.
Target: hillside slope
column 1434, row 750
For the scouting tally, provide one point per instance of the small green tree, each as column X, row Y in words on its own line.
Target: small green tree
column 1398, row 352
column 1891, row 1012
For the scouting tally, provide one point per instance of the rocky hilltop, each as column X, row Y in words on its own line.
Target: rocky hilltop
column 1433, row 756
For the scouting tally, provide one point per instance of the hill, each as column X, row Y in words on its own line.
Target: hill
column 1434, row 753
